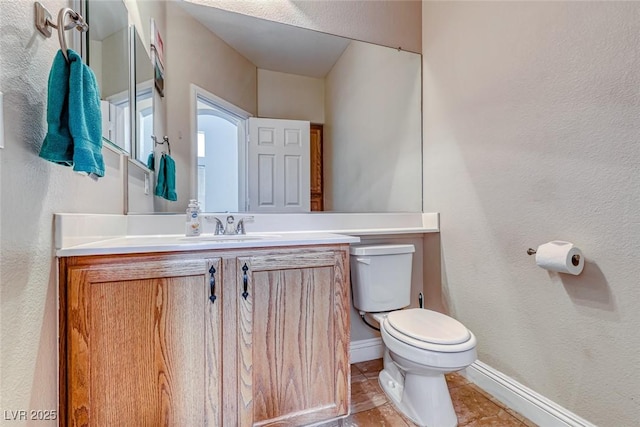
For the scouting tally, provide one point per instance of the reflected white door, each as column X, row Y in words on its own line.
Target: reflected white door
column 279, row 165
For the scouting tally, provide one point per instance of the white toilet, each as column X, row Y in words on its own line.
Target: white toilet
column 420, row 345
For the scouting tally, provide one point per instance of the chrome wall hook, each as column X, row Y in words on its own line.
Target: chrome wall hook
column 165, row 140
column 44, row 24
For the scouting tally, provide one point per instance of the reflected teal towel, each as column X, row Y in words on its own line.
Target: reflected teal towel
column 161, row 182
column 74, row 118
column 151, row 161
column 166, row 185
column 170, row 175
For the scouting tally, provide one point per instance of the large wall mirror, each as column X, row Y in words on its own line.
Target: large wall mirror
column 143, row 100
column 366, row 99
column 121, row 63
column 362, row 103
column 108, row 57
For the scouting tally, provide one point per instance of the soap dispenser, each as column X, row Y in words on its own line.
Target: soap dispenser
column 192, row 226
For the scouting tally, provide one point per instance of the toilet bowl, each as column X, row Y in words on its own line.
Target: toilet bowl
column 420, row 345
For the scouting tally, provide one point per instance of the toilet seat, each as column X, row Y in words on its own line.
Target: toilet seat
column 429, row 330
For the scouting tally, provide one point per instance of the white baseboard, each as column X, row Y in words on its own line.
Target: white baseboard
column 525, row 401
column 514, row 395
column 364, row 350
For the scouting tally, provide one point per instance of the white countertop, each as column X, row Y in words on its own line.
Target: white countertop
column 101, row 234
column 177, row 242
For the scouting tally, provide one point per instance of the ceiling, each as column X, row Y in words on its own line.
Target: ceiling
column 271, row 45
column 105, row 18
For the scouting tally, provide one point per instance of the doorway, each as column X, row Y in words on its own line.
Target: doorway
column 221, row 154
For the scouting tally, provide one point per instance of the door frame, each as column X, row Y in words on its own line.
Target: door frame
column 243, row 184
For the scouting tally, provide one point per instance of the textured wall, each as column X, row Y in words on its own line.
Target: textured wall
column 31, row 191
column 531, row 124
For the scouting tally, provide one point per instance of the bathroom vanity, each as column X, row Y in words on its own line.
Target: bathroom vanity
column 155, row 329
column 244, row 333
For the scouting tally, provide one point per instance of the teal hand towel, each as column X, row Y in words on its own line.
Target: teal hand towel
column 151, row 161
column 85, row 117
column 58, row 145
column 170, row 176
column 161, row 181
column 166, row 185
column 74, row 118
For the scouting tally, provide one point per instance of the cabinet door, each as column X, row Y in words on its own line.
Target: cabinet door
column 143, row 343
column 293, row 345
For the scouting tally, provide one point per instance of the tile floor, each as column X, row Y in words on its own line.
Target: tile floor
column 474, row 407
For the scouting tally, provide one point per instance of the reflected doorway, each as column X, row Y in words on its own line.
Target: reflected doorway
column 144, row 122
column 221, row 154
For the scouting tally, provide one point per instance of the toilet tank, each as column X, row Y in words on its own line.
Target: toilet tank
column 381, row 276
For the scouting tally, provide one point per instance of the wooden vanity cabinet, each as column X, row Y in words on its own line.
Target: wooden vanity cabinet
column 140, row 341
column 293, row 337
column 144, row 342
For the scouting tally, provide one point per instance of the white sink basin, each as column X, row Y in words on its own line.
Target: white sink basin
column 228, row 237
column 173, row 242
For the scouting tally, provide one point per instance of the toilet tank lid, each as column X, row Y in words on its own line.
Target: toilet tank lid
column 381, row 249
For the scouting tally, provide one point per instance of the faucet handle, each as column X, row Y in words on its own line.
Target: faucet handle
column 240, row 227
column 219, row 225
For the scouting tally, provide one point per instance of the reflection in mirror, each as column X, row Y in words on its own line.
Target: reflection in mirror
column 366, row 98
column 220, row 150
column 108, row 57
column 143, row 100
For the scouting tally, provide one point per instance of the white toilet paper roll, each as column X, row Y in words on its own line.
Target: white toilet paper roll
column 559, row 256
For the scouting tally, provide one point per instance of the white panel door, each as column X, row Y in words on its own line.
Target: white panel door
column 279, row 169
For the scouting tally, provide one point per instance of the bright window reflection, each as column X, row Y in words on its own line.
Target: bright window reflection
column 220, row 134
column 201, row 144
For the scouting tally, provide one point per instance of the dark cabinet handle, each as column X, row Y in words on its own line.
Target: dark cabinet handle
column 245, row 294
column 212, row 284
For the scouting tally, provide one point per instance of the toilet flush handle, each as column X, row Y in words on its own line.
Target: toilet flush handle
column 364, row 260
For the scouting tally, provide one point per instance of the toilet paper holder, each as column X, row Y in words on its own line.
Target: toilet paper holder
column 575, row 260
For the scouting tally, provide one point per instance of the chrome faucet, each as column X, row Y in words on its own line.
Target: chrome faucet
column 229, row 229
column 219, row 226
